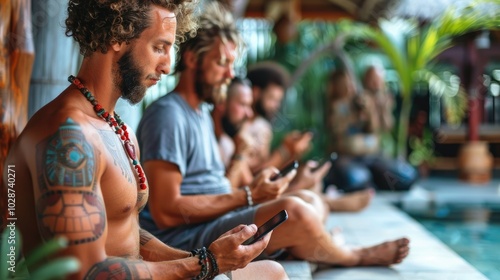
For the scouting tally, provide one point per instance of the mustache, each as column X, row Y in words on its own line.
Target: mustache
column 154, row 77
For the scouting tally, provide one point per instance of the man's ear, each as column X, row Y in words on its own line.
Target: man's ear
column 190, row 59
column 117, row 46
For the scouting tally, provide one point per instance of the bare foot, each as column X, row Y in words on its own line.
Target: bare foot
column 351, row 202
column 384, row 254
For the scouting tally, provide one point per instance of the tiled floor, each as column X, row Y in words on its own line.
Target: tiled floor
column 429, row 258
column 442, row 190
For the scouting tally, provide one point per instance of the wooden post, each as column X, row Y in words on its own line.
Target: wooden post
column 470, row 83
column 475, row 160
column 16, row 61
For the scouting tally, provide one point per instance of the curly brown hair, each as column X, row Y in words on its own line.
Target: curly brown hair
column 215, row 22
column 96, row 24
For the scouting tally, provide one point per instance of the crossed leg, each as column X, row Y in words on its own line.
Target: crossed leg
column 305, row 237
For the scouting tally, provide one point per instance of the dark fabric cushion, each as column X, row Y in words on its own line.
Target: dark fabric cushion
column 392, row 174
column 348, row 175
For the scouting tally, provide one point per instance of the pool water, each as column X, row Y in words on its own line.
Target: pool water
column 473, row 233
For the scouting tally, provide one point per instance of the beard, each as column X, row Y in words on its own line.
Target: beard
column 261, row 111
column 230, row 128
column 208, row 93
column 128, row 79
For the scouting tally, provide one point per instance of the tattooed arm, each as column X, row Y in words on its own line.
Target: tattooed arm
column 69, row 202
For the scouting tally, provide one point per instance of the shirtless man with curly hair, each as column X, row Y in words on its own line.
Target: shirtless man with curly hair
column 77, row 165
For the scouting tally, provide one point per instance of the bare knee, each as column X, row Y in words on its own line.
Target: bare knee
column 261, row 270
column 301, row 215
column 306, row 195
column 315, row 200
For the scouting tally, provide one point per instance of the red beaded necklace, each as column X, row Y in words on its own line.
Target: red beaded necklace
column 117, row 124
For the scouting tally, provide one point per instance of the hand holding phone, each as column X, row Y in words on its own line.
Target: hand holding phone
column 287, row 169
column 312, row 131
column 267, row 227
column 333, row 156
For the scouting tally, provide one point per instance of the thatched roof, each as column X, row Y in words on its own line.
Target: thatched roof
column 424, row 9
column 362, row 10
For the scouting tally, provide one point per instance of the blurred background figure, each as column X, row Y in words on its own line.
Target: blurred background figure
column 229, row 118
column 355, row 123
column 269, row 83
column 379, row 100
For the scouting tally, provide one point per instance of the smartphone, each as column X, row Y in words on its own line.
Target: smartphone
column 333, row 156
column 268, row 226
column 287, row 169
column 320, row 164
column 312, row 131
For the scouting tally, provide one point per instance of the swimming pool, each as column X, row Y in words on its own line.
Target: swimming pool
column 472, row 232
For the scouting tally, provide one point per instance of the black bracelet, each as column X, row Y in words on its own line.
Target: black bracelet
column 202, row 261
column 213, row 264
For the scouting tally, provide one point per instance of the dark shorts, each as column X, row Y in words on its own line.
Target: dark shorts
column 190, row 237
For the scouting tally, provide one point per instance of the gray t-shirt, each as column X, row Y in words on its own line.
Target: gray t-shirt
column 172, row 131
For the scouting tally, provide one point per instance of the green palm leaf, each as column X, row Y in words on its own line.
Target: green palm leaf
column 52, row 269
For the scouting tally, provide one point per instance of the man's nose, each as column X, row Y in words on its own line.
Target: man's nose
column 230, row 72
column 164, row 69
column 164, row 66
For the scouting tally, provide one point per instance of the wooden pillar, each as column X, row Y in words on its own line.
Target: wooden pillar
column 475, row 160
column 470, row 82
column 16, row 60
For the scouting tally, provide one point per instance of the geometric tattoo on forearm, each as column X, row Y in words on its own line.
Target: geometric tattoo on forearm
column 118, row 268
column 144, row 237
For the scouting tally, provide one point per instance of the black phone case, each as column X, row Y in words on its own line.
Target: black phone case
column 286, row 170
column 268, row 226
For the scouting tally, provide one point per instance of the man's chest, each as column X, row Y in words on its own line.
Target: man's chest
column 120, row 183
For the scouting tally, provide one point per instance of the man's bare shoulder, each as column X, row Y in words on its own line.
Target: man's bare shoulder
column 49, row 119
column 65, row 106
column 259, row 124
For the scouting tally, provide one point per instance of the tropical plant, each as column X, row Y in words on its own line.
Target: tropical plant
column 422, row 149
column 18, row 268
column 422, row 43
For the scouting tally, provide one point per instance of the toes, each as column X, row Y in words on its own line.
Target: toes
column 401, row 254
column 403, row 251
column 403, row 242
